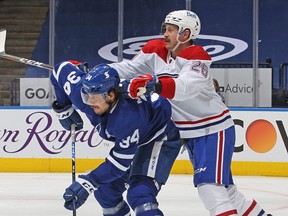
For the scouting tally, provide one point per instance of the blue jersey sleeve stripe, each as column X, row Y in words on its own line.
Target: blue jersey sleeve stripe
column 116, row 164
column 123, row 156
column 56, row 74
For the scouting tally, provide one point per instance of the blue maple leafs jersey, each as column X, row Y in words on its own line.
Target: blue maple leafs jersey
column 67, row 82
column 129, row 124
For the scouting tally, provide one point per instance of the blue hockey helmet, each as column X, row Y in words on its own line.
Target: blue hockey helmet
column 101, row 79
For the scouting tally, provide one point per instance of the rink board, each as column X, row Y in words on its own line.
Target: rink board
column 34, row 165
column 33, row 141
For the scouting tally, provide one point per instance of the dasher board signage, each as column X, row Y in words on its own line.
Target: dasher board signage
column 236, row 85
column 35, row 92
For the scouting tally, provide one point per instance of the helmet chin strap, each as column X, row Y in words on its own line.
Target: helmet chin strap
column 179, row 42
column 176, row 46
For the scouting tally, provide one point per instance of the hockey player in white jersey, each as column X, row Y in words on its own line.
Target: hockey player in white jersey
column 177, row 69
column 146, row 141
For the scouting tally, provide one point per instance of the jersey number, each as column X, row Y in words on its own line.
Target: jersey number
column 130, row 139
column 71, row 79
column 200, row 67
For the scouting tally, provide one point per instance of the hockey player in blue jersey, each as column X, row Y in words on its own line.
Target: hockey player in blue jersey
column 146, row 140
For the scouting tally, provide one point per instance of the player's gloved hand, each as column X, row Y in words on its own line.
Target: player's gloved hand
column 77, row 193
column 83, row 66
column 67, row 116
column 150, row 86
column 142, row 85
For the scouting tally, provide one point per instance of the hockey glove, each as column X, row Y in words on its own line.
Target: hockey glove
column 67, row 116
column 142, row 85
column 77, row 193
column 150, row 86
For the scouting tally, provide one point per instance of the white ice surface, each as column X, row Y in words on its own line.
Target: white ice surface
column 40, row 194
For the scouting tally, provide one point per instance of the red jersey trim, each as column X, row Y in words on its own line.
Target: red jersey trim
column 158, row 47
column 203, row 120
column 189, row 53
column 194, row 52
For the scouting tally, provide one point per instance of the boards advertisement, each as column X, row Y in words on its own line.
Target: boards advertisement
column 35, row 134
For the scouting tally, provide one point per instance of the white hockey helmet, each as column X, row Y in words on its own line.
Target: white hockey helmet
column 185, row 19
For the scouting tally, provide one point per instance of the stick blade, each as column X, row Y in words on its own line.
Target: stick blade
column 2, row 40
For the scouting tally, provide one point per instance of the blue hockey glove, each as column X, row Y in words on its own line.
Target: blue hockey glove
column 142, row 85
column 150, row 86
column 77, row 193
column 67, row 116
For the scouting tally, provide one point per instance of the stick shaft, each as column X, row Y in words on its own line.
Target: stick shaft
column 73, row 140
column 4, row 55
column 73, row 151
column 25, row 61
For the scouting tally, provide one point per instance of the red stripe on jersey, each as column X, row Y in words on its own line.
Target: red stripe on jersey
column 168, row 87
column 231, row 212
column 75, row 62
column 220, row 158
column 158, row 47
column 203, row 120
column 252, row 206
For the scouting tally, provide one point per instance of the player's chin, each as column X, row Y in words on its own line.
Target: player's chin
column 167, row 45
column 97, row 110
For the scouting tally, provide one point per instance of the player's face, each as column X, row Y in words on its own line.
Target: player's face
column 170, row 36
column 98, row 103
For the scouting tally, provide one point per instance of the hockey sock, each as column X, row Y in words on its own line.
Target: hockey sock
column 216, row 200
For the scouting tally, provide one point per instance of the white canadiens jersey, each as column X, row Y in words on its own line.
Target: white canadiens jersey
column 197, row 109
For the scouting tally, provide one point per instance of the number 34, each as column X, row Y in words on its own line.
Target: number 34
column 130, row 139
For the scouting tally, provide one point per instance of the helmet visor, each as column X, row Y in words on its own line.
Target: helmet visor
column 90, row 98
column 163, row 28
column 84, row 95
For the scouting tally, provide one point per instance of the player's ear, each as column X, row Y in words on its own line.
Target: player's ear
column 186, row 34
column 112, row 95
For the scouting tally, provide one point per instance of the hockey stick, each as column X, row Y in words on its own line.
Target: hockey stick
column 4, row 55
column 73, row 140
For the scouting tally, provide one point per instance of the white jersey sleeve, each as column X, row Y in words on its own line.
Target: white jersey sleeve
column 128, row 69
